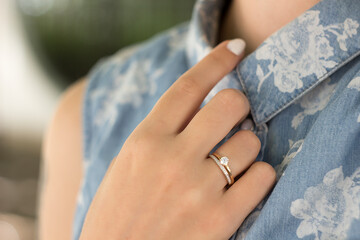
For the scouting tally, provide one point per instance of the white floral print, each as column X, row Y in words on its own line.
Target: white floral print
column 294, row 149
column 328, row 209
column 350, row 29
column 355, row 84
column 128, row 88
column 294, row 55
column 314, row 101
column 176, row 40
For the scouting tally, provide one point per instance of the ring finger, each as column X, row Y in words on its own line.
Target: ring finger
column 241, row 149
column 211, row 124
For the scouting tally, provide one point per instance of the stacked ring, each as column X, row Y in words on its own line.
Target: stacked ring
column 222, row 162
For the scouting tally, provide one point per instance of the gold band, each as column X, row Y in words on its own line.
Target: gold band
column 226, row 166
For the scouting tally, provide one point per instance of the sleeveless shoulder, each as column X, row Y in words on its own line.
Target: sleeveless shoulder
column 131, row 76
column 121, row 91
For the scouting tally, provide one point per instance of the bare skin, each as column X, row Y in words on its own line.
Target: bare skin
column 59, row 191
column 255, row 20
column 62, row 167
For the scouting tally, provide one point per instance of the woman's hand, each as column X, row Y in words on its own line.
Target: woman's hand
column 162, row 185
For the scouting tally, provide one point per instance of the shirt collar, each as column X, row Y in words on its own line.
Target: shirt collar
column 290, row 62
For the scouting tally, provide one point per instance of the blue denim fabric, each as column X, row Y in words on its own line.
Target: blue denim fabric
column 303, row 84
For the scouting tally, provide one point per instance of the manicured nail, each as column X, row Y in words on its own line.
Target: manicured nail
column 247, row 124
column 236, row 46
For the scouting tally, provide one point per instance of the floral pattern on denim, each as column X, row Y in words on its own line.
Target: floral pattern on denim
column 292, row 53
column 355, row 84
column 128, row 87
column 314, row 101
column 328, row 209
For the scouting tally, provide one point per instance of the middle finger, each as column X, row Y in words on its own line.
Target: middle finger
column 211, row 124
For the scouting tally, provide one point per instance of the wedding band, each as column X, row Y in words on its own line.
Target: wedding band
column 222, row 162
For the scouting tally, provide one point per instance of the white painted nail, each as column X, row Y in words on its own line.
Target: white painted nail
column 247, row 124
column 236, row 46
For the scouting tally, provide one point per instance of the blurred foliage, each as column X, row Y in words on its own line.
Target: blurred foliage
column 71, row 35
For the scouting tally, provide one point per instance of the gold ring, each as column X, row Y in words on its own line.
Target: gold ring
column 222, row 162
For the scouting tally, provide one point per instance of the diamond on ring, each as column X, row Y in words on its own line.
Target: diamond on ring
column 222, row 163
column 224, row 160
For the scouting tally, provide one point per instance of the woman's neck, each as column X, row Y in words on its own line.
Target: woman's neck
column 255, row 20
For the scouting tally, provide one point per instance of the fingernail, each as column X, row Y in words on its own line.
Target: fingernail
column 247, row 124
column 236, row 46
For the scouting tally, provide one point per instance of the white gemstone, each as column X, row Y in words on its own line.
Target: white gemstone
column 224, row 160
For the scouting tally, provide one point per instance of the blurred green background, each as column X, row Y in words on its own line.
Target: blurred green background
column 44, row 46
column 71, row 35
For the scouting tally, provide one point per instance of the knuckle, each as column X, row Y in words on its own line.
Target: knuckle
column 232, row 99
column 189, row 86
column 265, row 171
column 220, row 61
column 143, row 140
column 153, row 124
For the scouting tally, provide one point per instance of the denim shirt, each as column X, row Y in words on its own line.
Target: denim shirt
column 303, row 84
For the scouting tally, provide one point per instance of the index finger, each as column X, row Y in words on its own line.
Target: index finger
column 179, row 103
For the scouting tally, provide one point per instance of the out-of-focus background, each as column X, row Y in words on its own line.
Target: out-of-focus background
column 45, row 45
